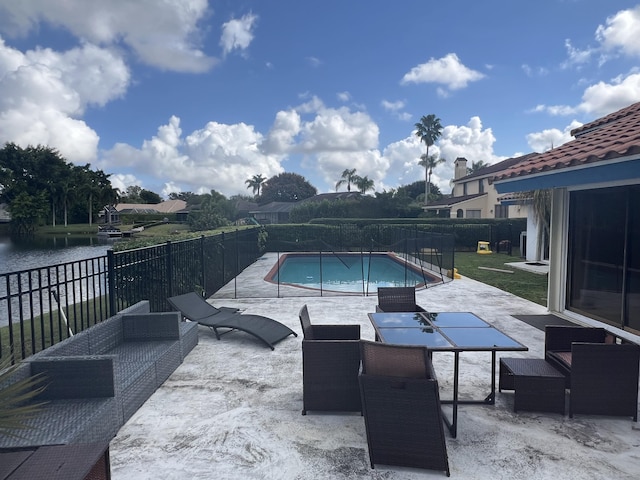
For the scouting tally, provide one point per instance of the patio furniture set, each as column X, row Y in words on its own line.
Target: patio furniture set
column 398, row 389
column 95, row 380
column 599, row 369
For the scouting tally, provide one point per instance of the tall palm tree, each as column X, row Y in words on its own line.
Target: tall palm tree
column 428, row 129
column 348, row 176
column 255, row 183
column 364, row 184
column 429, row 163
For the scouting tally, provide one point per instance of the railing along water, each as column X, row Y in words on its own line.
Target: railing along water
column 42, row 306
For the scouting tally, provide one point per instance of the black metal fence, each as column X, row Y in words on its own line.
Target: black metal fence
column 42, row 306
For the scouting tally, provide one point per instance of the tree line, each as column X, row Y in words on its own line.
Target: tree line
column 39, row 186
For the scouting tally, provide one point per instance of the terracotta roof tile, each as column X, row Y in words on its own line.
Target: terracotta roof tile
column 607, row 138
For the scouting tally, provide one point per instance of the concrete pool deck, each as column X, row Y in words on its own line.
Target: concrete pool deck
column 232, row 410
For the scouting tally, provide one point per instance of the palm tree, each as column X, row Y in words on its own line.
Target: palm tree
column 255, row 183
column 14, row 406
column 429, row 163
column 348, row 176
column 475, row 166
column 364, row 184
column 428, row 129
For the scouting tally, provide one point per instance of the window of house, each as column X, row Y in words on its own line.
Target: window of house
column 501, row 211
column 464, row 189
column 459, row 213
column 474, row 214
column 604, row 255
column 481, row 186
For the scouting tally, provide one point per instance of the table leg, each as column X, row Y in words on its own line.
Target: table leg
column 491, row 398
column 453, row 424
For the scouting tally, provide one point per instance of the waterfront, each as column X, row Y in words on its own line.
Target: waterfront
column 41, row 251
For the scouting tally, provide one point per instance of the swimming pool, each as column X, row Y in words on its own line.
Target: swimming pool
column 347, row 272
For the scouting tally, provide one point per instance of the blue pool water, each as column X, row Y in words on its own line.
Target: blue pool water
column 346, row 272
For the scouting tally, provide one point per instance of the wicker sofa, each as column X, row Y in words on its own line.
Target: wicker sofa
column 601, row 370
column 98, row 378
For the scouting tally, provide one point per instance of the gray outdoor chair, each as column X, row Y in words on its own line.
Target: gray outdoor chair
column 196, row 309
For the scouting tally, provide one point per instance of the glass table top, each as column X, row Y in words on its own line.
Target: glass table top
column 444, row 331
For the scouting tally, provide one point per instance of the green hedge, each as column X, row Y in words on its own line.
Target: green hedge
column 356, row 234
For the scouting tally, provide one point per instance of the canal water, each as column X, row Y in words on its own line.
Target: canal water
column 18, row 254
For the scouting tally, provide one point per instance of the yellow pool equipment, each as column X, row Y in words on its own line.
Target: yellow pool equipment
column 483, row 248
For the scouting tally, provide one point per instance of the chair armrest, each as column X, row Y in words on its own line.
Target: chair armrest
column 151, row 326
column 336, row 332
column 331, row 358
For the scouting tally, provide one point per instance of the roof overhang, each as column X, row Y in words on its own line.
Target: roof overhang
column 619, row 170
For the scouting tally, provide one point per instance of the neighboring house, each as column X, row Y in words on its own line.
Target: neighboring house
column 594, row 259
column 473, row 196
column 273, row 212
column 109, row 215
column 169, row 206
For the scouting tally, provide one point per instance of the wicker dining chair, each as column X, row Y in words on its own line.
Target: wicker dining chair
column 401, row 407
column 397, row 299
column 330, row 366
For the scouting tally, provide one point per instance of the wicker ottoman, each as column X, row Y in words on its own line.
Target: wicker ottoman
column 538, row 385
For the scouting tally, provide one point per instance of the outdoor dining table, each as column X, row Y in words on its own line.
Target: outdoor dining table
column 455, row 332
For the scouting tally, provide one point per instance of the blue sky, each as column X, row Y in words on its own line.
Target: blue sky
column 195, row 95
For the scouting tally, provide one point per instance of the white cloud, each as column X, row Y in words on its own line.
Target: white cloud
column 447, row 71
column 219, row 157
column 338, row 130
column 622, row 32
column 344, row 96
column 393, row 106
column 551, row 138
column 44, row 94
column 314, row 61
column 280, row 138
column 577, row 57
column 237, row 34
column 162, row 34
column 601, row 98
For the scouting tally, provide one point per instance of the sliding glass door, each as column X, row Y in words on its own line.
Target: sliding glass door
column 604, row 255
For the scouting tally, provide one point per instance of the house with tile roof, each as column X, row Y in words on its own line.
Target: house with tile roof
column 473, row 196
column 594, row 256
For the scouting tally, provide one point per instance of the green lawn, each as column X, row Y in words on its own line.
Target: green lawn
column 530, row 286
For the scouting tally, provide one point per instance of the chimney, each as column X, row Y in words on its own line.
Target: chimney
column 460, row 168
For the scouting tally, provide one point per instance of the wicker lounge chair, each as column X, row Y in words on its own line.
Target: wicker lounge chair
column 196, row 309
column 602, row 374
column 401, row 406
column 330, row 366
column 397, row 299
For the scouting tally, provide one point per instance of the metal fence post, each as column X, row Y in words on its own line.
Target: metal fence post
column 202, row 269
column 169, row 265
column 111, row 282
